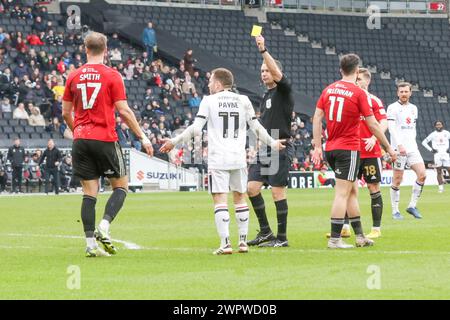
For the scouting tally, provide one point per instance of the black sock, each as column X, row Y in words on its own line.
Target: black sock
column 114, row 204
column 346, row 221
column 88, row 215
column 336, row 227
column 377, row 208
column 357, row 226
column 282, row 213
column 260, row 211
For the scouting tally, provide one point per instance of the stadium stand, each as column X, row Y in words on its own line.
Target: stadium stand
column 410, row 49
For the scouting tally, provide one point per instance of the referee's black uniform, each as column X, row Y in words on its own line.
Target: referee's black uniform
column 276, row 114
column 52, row 156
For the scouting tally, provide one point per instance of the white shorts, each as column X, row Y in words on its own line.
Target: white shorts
column 224, row 181
column 442, row 160
column 409, row 160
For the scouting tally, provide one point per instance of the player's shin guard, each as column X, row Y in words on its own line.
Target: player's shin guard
column 114, row 204
column 88, row 215
column 282, row 213
column 416, row 192
column 395, row 199
column 357, row 226
column 377, row 208
column 260, row 211
column 222, row 218
column 242, row 218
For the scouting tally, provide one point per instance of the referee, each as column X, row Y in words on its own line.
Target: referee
column 276, row 110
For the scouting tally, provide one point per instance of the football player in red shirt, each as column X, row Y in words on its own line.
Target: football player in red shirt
column 94, row 92
column 342, row 104
column 370, row 166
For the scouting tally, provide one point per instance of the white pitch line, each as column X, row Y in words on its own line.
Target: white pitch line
column 129, row 245
column 134, row 246
column 293, row 250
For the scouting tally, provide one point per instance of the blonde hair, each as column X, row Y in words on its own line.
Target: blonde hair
column 96, row 43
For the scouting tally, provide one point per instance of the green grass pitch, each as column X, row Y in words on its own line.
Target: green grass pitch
column 41, row 237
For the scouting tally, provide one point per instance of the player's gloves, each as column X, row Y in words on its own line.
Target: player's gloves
column 434, row 150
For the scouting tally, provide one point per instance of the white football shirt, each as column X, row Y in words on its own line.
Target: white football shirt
column 405, row 118
column 227, row 114
column 439, row 141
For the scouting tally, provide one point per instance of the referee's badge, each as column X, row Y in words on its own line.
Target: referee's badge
column 269, row 103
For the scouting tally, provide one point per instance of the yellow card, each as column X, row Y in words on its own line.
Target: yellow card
column 256, row 31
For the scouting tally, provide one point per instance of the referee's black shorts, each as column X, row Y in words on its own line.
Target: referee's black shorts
column 93, row 159
column 345, row 163
column 260, row 171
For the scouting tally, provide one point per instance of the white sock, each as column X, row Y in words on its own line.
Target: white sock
column 395, row 199
column 441, row 187
column 242, row 217
column 91, row 243
column 222, row 218
column 416, row 192
column 346, row 227
column 376, row 228
column 104, row 225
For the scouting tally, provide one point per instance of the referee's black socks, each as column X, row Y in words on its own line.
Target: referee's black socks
column 260, row 211
column 88, row 215
column 114, row 204
column 282, row 213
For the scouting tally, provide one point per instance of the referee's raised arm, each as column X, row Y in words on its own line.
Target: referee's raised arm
column 269, row 61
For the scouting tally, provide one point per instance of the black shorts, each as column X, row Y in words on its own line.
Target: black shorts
column 345, row 163
column 370, row 169
column 93, row 159
column 261, row 170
